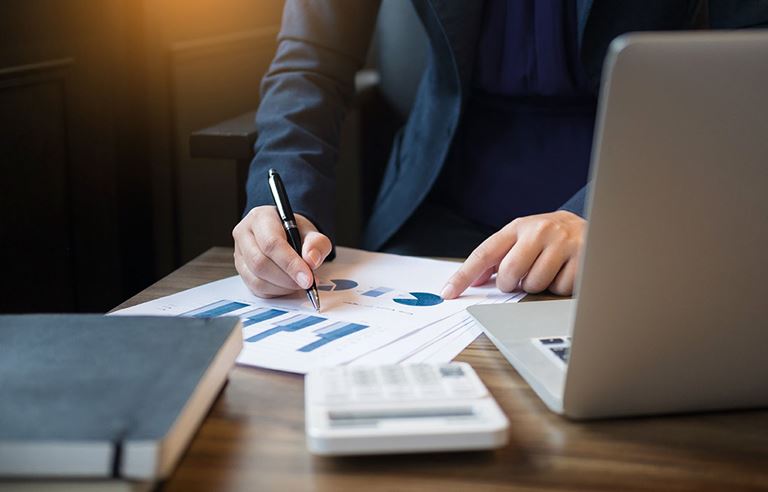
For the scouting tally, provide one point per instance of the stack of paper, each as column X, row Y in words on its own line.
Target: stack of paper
column 376, row 308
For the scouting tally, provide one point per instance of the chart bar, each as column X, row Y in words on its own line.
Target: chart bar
column 218, row 308
column 377, row 291
column 294, row 325
column 330, row 328
column 260, row 315
column 328, row 337
column 302, row 323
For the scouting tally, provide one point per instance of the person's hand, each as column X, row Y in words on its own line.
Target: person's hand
column 265, row 259
column 535, row 252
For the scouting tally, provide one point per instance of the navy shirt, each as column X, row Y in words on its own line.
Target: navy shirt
column 525, row 138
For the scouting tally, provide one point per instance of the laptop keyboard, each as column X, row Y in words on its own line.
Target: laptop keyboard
column 559, row 346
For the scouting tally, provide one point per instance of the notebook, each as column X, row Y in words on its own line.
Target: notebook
column 88, row 396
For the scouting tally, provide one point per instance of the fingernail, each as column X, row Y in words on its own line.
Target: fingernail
column 449, row 292
column 303, row 280
column 314, row 257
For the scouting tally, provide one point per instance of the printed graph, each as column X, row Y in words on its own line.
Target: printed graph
column 337, row 284
column 332, row 332
column 378, row 291
column 261, row 314
column 411, row 299
column 215, row 309
column 276, row 320
column 291, row 324
column 419, row 299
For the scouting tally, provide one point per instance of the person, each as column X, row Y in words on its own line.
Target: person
column 492, row 163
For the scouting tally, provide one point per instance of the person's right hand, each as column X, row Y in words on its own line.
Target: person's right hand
column 265, row 259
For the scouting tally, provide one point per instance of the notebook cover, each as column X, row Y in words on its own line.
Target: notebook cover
column 69, row 379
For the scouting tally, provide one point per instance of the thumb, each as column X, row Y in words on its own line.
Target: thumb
column 315, row 249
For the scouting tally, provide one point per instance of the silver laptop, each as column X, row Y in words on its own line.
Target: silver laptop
column 670, row 313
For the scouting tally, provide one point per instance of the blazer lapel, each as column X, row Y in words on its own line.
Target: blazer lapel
column 460, row 25
column 583, row 8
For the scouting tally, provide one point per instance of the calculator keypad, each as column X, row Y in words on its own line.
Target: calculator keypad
column 397, row 383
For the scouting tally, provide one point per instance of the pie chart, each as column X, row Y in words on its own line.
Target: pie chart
column 420, row 299
column 337, row 284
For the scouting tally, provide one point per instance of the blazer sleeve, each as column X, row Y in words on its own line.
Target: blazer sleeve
column 304, row 97
column 577, row 203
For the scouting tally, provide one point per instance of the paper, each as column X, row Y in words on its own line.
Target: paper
column 376, row 308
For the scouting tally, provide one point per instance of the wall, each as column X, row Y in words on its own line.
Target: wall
column 97, row 98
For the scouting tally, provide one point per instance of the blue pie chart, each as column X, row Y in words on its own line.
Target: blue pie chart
column 421, row 299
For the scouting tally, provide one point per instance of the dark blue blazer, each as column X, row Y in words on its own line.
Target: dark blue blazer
column 323, row 43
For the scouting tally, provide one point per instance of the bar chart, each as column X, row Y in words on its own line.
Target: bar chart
column 332, row 332
column 267, row 322
column 293, row 323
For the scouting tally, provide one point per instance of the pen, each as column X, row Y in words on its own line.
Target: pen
column 291, row 229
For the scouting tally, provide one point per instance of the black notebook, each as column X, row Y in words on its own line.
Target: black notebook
column 95, row 396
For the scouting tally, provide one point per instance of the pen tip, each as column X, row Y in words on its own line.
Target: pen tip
column 272, row 172
column 314, row 298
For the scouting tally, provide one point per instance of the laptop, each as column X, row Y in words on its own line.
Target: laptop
column 670, row 308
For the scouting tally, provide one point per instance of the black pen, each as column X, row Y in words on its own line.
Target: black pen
column 291, row 229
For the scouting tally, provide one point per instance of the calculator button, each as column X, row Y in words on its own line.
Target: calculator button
column 427, row 379
column 363, row 378
column 425, row 375
column 396, row 383
column 551, row 341
column 452, row 371
column 365, row 383
column 394, row 376
column 562, row 353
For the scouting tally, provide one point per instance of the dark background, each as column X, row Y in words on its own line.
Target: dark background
column 97, row 100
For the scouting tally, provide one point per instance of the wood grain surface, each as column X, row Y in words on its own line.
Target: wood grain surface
column 253, row 438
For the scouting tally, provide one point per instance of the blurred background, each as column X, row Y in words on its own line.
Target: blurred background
column 98, row 99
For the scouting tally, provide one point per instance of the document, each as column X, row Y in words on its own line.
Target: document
column 376, row 308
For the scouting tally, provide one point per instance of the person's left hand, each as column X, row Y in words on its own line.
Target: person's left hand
column 535, row 252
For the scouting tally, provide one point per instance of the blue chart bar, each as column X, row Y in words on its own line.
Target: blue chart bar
column 259, row 316
column 330, row 336
column 296, row 325
column 377, row 291
column 329, row 328
column 218, row 308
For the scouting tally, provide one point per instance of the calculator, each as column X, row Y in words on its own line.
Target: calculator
column 387, row 409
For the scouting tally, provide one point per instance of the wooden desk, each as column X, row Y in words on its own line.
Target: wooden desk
column 253, row 438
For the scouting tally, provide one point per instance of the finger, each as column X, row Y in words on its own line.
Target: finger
column 544, row 269
column 487, row 255
column 272, row 243
column 315, row 249
column 264, row 268
column 565, row 280
column 517, row 262
column 484, row 277
column 259, row 286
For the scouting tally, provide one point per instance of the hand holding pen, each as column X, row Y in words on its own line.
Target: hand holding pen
column 265, row 259
column 285, row 212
